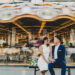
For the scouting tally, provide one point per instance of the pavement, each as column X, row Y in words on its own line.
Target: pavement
column 5, row 70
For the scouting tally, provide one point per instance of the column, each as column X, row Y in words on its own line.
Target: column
column 17, row 39
column 9, row 38
column 6, row 36
column 72, row 35
column 64, row 40
column 13, row 36
column 29, row 37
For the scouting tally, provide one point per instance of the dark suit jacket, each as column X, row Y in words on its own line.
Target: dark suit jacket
column 60, row 53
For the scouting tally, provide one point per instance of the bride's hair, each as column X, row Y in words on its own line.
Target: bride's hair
column 45, row 38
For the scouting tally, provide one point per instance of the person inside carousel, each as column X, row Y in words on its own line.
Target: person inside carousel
column 71, row 45
column 29, row 44
column 58, row 55
column 43, row 60
column 39, row 42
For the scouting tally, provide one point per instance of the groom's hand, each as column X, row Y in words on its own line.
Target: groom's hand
column 52, row 60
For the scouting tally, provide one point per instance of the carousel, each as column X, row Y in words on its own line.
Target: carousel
column 26, row 19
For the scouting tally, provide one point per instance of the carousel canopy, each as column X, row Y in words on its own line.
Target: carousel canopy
column 29, row 18
column 44, row 11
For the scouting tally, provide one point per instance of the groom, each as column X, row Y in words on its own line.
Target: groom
column 58, row 51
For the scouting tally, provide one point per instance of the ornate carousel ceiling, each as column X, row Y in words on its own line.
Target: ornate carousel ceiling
column 33, row 26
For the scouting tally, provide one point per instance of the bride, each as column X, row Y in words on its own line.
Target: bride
column 43, row 60
column 45, row 55
column 36, row 1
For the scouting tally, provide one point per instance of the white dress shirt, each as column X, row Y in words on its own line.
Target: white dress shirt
column 55, row 52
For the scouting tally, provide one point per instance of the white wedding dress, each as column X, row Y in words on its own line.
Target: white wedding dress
column 36, row 1
column 41, row 63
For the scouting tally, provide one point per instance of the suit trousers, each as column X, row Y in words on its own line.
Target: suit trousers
column 62, row 65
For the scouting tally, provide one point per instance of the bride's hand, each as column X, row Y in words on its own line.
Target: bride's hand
column 47, row 62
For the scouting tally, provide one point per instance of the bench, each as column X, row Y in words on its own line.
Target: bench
column 68, row 69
